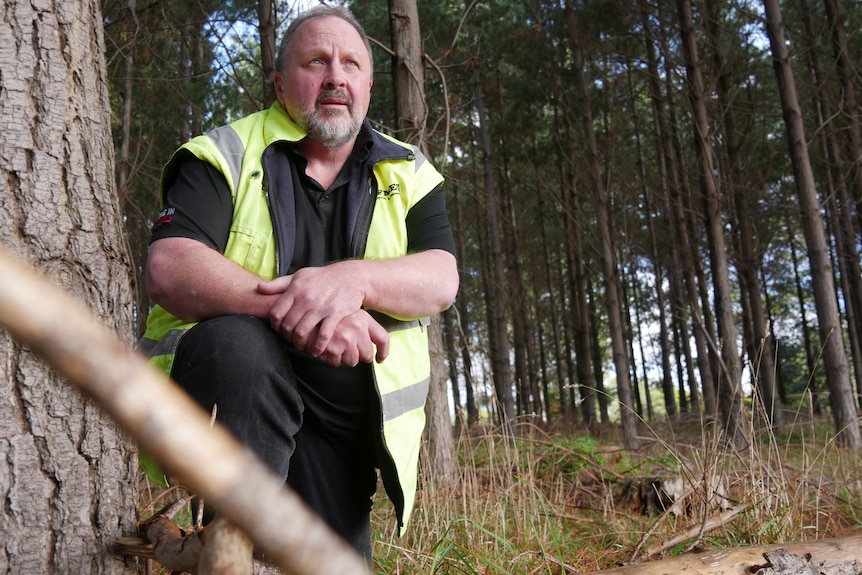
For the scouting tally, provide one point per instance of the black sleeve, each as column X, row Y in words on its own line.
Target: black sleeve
column 197, row 203
column 428, row 224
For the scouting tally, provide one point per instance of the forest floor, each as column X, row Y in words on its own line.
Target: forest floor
column 563, row 501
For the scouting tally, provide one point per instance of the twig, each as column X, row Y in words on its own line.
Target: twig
column 696, row 531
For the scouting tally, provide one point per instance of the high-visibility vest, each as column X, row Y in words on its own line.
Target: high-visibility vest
column 400, row 177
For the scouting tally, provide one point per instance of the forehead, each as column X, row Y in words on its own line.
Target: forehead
column 327, row 32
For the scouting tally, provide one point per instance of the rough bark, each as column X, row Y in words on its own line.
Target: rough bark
column 68, row 477
column 841, row 396
column 408, row 74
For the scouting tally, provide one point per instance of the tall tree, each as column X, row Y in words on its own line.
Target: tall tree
column 495, row 282
column 610, row 272
column 841, row 396
column 409, row 79
column 748, row 264
column 69, row 476
column 730, row 386
column 266, row 30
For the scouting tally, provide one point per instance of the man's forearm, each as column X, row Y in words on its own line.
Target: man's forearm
column 409, row 287
column 195, row 282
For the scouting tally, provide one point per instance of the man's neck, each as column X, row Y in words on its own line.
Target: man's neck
column 324, row 164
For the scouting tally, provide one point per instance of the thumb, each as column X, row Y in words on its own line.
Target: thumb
column 275, row 286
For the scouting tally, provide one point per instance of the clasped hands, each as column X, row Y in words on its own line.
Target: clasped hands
column 319, row 310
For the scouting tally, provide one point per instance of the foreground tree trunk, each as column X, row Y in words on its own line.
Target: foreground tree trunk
column 841, row 396
column 68, row 475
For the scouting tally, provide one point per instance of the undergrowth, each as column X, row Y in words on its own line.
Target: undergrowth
column 562, row 501
column 565, row 502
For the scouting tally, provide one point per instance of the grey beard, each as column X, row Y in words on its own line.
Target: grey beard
column 332, row 132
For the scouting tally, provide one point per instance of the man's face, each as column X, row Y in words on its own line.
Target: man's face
column 326, row 82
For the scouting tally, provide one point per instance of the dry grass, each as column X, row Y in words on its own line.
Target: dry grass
column 559, row 502
column 556, row 503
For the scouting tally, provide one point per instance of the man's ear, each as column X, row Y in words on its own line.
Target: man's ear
column 278, row 83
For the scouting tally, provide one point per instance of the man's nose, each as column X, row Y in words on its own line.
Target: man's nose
column 335, row 77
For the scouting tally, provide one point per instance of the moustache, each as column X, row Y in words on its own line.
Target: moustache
column 334, row 95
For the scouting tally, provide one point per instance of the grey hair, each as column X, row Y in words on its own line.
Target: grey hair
column 321, row 11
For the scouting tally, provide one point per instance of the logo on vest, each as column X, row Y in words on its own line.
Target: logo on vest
column 390, row 192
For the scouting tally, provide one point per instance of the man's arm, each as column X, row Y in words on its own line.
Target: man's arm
column 195, row 282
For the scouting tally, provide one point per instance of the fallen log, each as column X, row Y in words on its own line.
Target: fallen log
column 169, row 425
column 820, row 557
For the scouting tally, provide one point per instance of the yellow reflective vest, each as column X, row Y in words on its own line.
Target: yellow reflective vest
column 400, row 177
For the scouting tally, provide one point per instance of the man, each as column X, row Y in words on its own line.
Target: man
column 294, row 264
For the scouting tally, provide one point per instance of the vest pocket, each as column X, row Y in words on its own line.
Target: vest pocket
column 245, row 249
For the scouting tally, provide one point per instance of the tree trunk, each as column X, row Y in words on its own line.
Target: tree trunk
column 761, row 348
column 610, row 272
column 408, row 71
column 841, row 396
column 554, row 313
column 840, row 207
column 519, row 304
column 464, row 323
column 496, row 284
column 730, row 387
column 701, row 323
column 669, row 181
column 439, row 458
column 808, row 345
column 849, row 106
column 410, row 101
column 668, row 393
column 266, row 31
column 68, row 476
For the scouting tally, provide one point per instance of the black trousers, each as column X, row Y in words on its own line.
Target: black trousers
column 312, row 424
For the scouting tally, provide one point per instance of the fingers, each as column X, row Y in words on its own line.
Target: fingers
column 380, row 337
column 357, row 338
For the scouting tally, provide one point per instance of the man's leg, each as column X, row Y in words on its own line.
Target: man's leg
column 239, row 365
column 333, row 466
